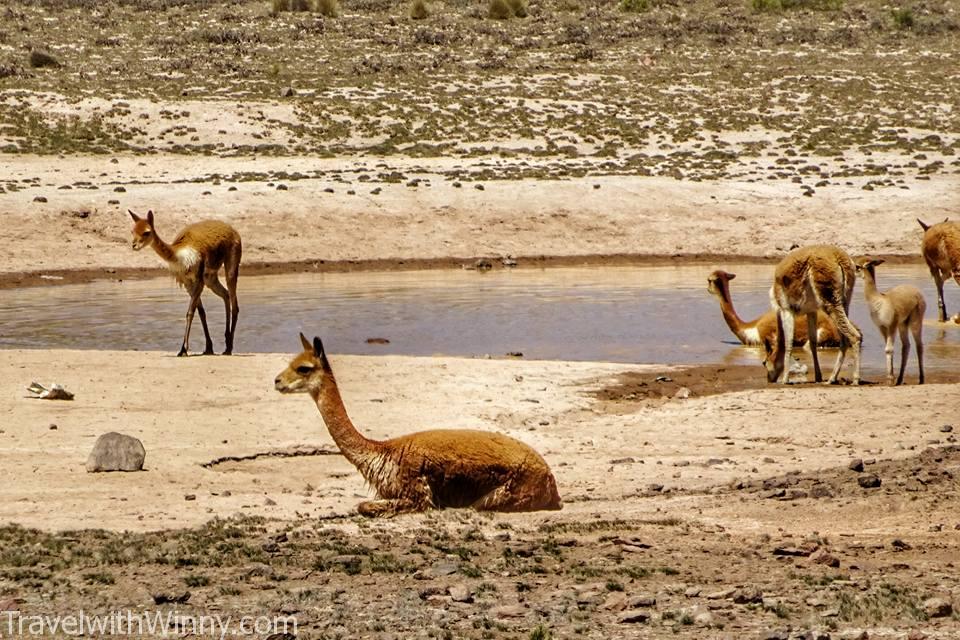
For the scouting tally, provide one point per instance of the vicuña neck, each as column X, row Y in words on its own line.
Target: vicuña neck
column 870, row 285
column 730, row 315
column 162, row 248
column 355, row 447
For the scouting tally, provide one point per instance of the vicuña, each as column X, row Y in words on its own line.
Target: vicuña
column 194, row 258
column 437, row 469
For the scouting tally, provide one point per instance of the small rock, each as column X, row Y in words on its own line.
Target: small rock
column 900, row 545
column 190, row 497
column 167, row 597
column 869, row 481
column 483, row 265
column 937, row 607
column 791, row 551
column 633, row 616
column 856, row 465
column 641, row 601
column 947, row 428
column 509, row 611
column 444, row 568
column 854, row 634
column 824, row 558
column 461, row 593
column 775, row 635
column 288, row 92
column 289, row 608
column 269, row 502
column 682, row 393
column 747, row 595
column 820, row 491
column 116, row 452
column 119, row 190
column 259, row 570
column 39, row 199
column 692, row 592
column 723, row 594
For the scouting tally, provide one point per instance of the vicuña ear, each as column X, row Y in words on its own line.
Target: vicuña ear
column 306, row 343
column 877, row 261
column 135, row 217
column 731, row 276
column 150, row 217
column 317, row 347
column 923, row 225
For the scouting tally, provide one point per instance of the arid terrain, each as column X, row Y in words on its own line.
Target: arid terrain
column 699, row 502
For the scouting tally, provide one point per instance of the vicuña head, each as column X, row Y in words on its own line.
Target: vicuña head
column 143, row 233
column 306, row 372
column 441, row 468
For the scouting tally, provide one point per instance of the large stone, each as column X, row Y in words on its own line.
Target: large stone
column 116, row 452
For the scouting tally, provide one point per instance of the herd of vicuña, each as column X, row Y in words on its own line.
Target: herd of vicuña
column 450, row 468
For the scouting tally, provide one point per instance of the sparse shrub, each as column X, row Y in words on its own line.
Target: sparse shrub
column 40, row 59
column 634, row 6
column 196, row 580
column 518, row 7
column 903, row 18
column 771, row 6
column 540, row 632
column 328, row 8
column 499, row 10
column 418, row 10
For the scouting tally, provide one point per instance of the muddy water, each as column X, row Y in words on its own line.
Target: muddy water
column 622, row 314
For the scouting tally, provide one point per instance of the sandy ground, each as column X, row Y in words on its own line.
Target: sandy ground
column 78, row 228
column 190, row 412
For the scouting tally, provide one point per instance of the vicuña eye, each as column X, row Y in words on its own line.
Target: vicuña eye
column 304, row 369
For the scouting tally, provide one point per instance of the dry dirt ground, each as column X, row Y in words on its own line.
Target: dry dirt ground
column 670, row 130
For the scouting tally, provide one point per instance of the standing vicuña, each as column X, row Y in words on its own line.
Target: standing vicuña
column 941, row 251
column 806, row 280
column 195, row 257
column 429, row 469
column 899, row 309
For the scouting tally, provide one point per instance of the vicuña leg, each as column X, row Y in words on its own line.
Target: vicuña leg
column 888, row 340
column 850, row 337
column 785, row 326
column 904, row 350
column 938, row 280
column 195, row 290
column 917, row 329
column 208, row 347
column 214, row 284
column 232, row 269
column 812, row 341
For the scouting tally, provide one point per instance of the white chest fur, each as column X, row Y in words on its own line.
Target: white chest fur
column 185, row 262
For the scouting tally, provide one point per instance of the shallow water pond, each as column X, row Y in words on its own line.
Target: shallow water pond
column 660, row 314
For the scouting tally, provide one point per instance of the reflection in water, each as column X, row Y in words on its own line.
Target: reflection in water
column 621, row 314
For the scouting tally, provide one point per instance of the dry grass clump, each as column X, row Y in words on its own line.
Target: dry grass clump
column 518, row 7
column 499, row 10
column 290, row 5
column 769, row 6
column 328, row 8
column 40, row 59
column 634, row 6
column 418, row 10
column 505, row 9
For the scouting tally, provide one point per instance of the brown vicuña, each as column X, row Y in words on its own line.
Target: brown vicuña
column 444, row 468
column 941, row 251
column 899, row 310
column 763, row 330
column 806, row 280
column 195, row 257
